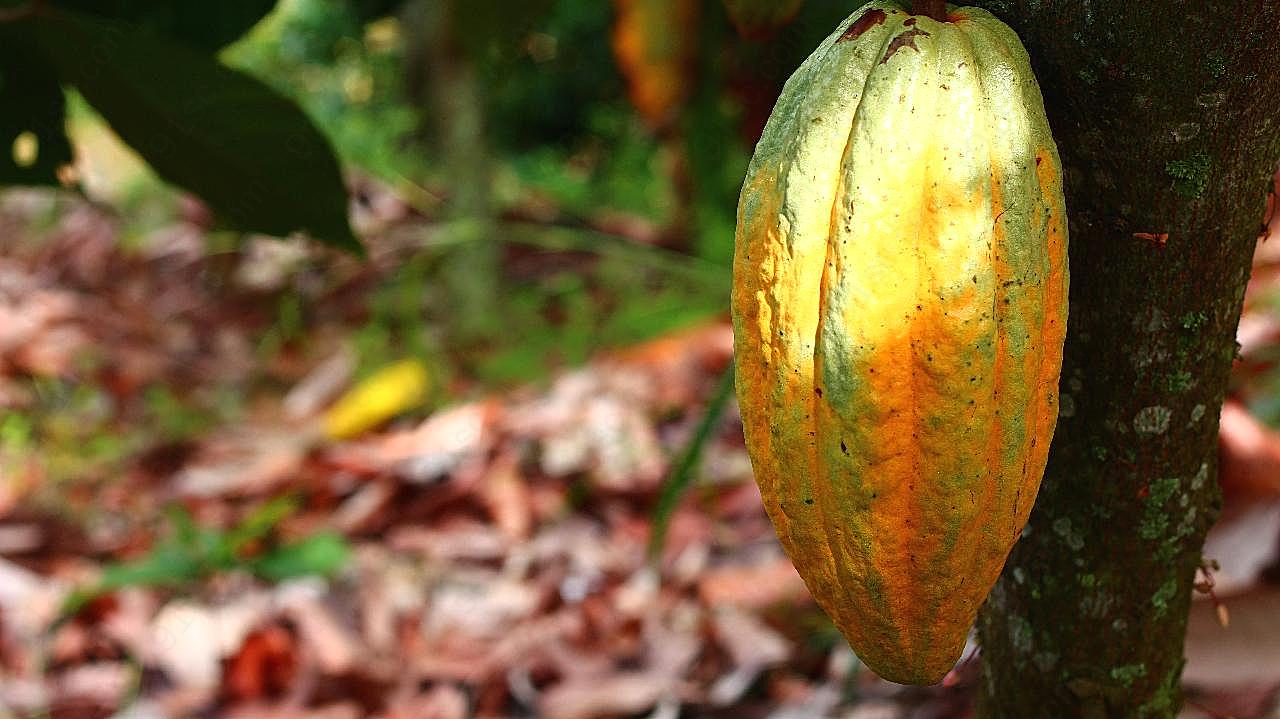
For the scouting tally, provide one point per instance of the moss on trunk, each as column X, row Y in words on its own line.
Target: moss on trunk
column 1166, row 117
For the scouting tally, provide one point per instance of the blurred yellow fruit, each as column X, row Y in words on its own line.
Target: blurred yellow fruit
column 653, row 41
column 388, row 392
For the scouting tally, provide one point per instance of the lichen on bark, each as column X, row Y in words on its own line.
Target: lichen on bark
column 1167, row 134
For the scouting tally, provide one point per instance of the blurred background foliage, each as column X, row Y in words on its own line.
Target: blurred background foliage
column 533, row 182
column 616, row 133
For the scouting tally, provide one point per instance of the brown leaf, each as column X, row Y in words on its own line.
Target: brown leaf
column 244, row 463
column 479, row 604
column 506, row 496
column 461, row 541
column 1249, row 458
column 365, row 509
column 321, row 385
column 1245, row 543
column 443, row 701
column 288, row 710
column 447, row 442
column 334, row 649
column 265, row 666
column 1247, row 652
column 626, row 693
column 104, row 684
column 753, row 586
column 749, row 641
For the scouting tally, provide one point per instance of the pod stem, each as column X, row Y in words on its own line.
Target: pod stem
column 936, row 9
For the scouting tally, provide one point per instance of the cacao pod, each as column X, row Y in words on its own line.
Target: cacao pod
column 899, row 305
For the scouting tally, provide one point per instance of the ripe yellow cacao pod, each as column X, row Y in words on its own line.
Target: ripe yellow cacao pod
column 899, row 305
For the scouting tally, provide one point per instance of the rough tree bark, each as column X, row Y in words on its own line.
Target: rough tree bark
column 1165, row 112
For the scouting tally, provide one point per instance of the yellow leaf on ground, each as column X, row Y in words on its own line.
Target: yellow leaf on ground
column 389, row 392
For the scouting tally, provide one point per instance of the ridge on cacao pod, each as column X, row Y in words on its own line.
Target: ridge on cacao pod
column 899, row 306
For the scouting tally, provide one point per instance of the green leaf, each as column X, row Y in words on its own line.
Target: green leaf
column 183, row 528
column 165, row 566
column 251, row 154
column 197, row 23
column 34, row 110
column 320, row 554
column 261, row 521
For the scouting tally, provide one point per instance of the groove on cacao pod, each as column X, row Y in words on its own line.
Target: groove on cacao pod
column 899, row 303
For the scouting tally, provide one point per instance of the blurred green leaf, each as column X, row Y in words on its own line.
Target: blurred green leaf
column 191, row 553
column 250, row 153
column 203, row 25
column 183, row 528
column 557, row 88
column 256, row 526
column 321, row 554
column 33, row 110
column 167, row 565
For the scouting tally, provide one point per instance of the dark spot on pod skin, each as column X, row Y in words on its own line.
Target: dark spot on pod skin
column 869, row 19
column 906, row 39
column 1039, row 160
column 909, row 22
column 817, row 391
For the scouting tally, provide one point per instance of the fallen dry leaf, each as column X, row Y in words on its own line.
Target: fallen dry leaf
column 332, row 646
column 242, row 463
column 505, row 494
column 754, row 586
column 1244, row 543
column 1243, row 654
column 626, row 693
column 748, row 640
column 266, row 664
column 1248, row 458
column 321, row 385
column 190, row 640
column 443, row 701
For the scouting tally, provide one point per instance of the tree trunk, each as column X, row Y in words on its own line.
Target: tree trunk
column 1165, row 114
column 450, row 93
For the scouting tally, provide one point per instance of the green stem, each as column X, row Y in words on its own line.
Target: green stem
column 682, row 475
